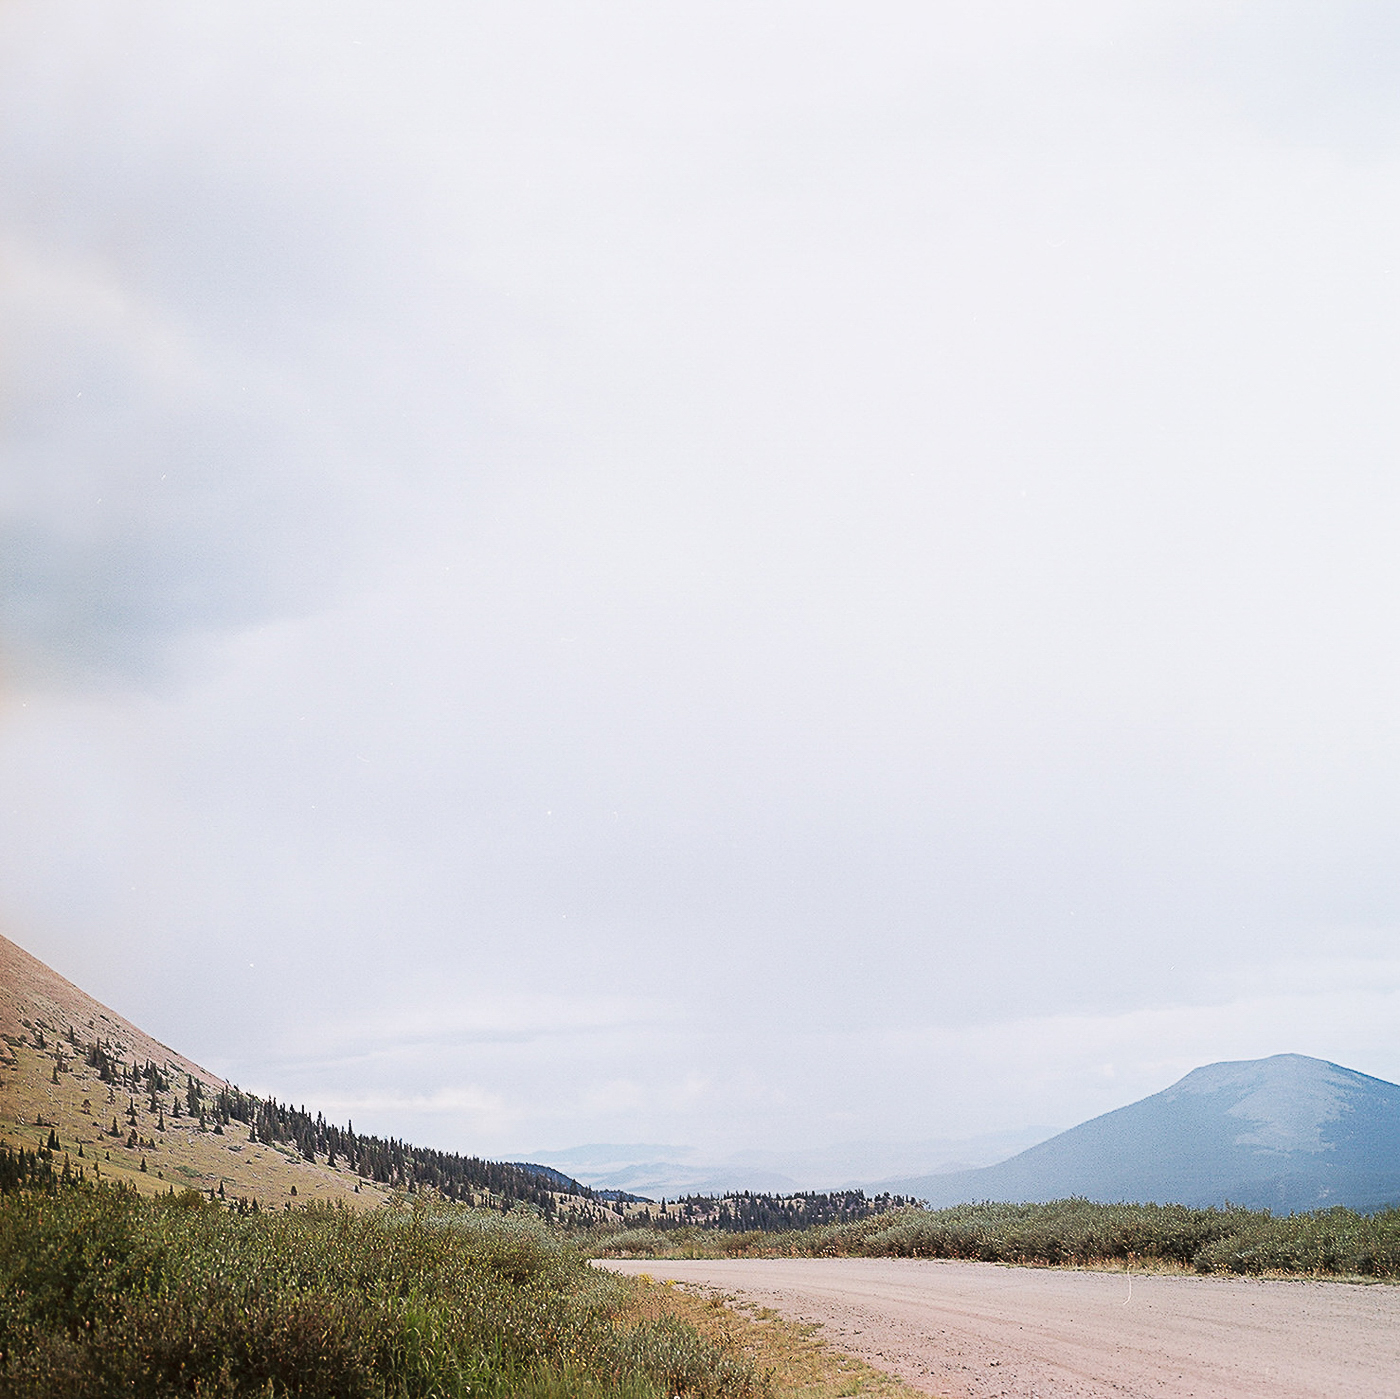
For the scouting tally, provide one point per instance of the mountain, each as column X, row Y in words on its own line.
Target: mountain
column 673, row 1171
column 657, row 1172
column 1285, row 1133
column 31, row 992
column 123, row 1107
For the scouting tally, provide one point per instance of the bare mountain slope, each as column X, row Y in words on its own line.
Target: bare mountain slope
column 31, row 992
column 79, row 1081
column 49, row 1030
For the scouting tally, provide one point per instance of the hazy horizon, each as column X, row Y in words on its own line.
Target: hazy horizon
column 765, row 576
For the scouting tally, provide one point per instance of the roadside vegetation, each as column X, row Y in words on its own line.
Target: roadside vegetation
column 103, row 1291
column 747, row 1211
column 106, row 1291
column 1333, row 1242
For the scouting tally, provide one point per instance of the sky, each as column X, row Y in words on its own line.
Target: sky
column 750, row 575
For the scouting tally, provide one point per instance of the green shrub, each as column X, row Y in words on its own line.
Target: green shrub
column 104, row 1293
column 1327, row 1242
column 1068, row 1232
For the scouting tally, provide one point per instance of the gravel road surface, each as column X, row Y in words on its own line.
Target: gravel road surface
column 977, row 1330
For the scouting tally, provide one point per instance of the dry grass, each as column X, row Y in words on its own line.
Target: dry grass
column 40, row 1008
column 183, row 1156
column 34, row 997
column 798, row 1361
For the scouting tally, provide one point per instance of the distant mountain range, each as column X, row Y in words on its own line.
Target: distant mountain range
column 655, row 1170
column 1285, row 1133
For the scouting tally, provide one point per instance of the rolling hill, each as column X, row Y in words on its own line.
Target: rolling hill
column 83, row 1082
column 1285, row 1133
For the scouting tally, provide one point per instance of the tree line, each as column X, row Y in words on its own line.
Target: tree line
column 750, row 1209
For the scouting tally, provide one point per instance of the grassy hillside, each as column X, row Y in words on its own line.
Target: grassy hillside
column 126, row 1109
column 123, row 1108
column 48, row 1085
column 32, row 992
column 46, row 1092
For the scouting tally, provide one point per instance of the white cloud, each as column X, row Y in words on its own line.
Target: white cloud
column 727, row 573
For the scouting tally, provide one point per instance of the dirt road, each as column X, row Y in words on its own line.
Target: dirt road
column 976, row 1330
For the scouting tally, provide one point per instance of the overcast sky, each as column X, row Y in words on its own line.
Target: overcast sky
column 745, row 574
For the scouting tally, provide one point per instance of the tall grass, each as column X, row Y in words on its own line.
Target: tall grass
column 103, row 1293
column 1068, row 1232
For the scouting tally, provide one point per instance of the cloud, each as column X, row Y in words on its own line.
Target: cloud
column 161, row 488
column 510, row 1016
column 608, row 545
column 706, row 1078
column 1305, row 72
column 176, row 293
